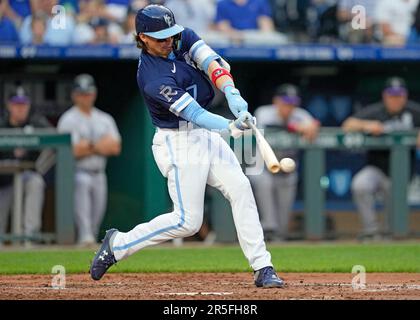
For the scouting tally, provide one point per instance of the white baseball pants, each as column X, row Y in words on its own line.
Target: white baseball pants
column 90, row 195
column 190, row 160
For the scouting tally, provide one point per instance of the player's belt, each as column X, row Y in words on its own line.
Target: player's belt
column 91, row 171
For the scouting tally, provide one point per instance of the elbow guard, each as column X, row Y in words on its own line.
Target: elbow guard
column 203, row 55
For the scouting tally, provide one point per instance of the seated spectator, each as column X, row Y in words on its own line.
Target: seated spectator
column 8, row 31
column 244, row 14
column 395, row 18
column 290, row 16
column 71, row 5
column 17, row 10
column 245, row 21
column 322, row 21
column 117, row 10
column 38, row 27
column 89, row 9
column 136, row 5
column 345, row 17
column 235, row 16
column 129, row 26
column 91, row 22
column 59, row 31
column 196, row 14
column 414, row 36
column 395, row 112
column 100, row 29
column 20, row 117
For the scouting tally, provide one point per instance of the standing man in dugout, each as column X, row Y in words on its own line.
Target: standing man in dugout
column 275, row 193
column 95, row 137
column 393, row 113
column 19, row 116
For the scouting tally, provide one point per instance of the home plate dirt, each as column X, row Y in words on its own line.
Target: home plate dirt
column 208, row 286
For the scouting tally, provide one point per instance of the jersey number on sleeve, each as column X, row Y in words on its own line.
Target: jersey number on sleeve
column 192, row 90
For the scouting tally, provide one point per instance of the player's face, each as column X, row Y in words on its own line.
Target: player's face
column 18, row 112
column 158, row 47
column 394, row 103
column 283, row 108
column 84, row 100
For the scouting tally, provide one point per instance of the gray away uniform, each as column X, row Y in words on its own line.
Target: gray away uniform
column 275, row 193
column 91, row 183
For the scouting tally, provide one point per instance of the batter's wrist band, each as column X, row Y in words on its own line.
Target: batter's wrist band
column 226, row 85
column 219, row 72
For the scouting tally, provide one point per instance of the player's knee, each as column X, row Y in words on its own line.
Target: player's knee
column 36, row 181
column 190, row 225
column 241, row 187
column 360, row 185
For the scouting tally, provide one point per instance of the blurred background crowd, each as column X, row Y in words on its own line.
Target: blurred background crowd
column 80, row 22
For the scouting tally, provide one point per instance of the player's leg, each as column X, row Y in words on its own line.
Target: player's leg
column 385, row 188
column 6, row 196
column 187, row 176
column 263, row 187
column 365, row 185
column 83, row 207
column 285, row 193
column 227, row 176
column 34, row 191
column 99, row 201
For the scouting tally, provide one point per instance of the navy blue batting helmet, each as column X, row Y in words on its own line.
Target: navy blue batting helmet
column 157, row 21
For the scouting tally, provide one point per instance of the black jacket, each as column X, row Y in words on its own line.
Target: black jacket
column 34, row 121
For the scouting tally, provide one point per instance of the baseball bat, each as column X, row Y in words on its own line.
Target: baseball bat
column 266, row 151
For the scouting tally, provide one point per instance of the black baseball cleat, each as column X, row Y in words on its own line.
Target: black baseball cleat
column 267, row 278
column 104, row 258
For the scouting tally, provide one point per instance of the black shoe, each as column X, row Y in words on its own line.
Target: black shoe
column 104, row 258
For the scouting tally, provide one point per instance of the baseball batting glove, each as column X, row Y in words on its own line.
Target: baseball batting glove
column 238, row 126
column 236, row 103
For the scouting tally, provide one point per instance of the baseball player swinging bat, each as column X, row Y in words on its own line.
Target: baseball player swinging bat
column 273, row 164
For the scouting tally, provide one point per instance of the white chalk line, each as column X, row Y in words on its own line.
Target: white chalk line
column 194, row 293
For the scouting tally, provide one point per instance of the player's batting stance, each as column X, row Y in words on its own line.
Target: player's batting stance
column 173, row 72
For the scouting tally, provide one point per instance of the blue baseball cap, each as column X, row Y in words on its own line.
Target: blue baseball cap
column 395, row 86
column 157, row 21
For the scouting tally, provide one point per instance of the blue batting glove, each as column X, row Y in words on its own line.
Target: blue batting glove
column 237, row 127
column 243, row 118
column 235, row 101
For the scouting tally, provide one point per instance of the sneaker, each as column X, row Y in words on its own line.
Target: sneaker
column 370, row 237
column 267, row 278
column 104, row 258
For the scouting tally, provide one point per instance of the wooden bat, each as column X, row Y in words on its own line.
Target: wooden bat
column 267, row 153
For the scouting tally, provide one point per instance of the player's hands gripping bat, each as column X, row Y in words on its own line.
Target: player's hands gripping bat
column 273, row 165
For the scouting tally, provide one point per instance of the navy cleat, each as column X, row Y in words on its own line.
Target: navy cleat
column 267, row 278
column 104, row 258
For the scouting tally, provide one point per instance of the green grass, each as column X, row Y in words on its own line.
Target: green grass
column 401, row 257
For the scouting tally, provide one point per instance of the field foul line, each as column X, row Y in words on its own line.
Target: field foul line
column 384, row 286
column 194, row 293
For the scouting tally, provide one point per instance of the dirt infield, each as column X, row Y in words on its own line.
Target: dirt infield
column 194, row 286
